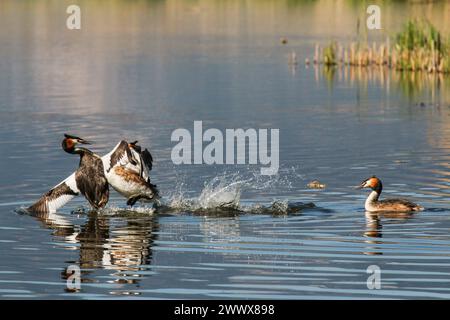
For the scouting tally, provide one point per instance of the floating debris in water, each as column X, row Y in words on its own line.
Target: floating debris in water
column 429, row 104
column 316, row 184
column 283, row 40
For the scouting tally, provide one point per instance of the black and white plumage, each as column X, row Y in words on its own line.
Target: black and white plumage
column 129, row 171
column 126, row 168
column 89, row 180
column 56, row 197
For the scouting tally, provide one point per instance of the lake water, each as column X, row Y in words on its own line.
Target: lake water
column 139, row 70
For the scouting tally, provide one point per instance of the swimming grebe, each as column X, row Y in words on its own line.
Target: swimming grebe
column 89, row 180
column 128, row 172
column 126, row 168
column 372, row 203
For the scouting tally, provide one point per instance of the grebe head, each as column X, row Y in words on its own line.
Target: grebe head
column 69, row 144
column 373, row 183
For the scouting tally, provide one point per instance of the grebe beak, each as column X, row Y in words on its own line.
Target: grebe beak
column 362, row 185
column 82, row 141
column 76, row 139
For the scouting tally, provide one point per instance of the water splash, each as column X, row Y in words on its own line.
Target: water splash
column 223, row 194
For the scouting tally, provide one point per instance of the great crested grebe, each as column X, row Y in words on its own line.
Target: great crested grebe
column 89, row 180
column 128, row 172
column 126, row 168
column 372, row 203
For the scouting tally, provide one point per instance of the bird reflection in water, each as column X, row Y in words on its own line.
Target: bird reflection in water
column 122, row 243
column 373, row 231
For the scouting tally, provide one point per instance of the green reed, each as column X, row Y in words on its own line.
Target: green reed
column 419, row 46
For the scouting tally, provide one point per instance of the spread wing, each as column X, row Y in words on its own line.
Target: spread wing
column 144, row 161
column 56, row 197
column 120, row 155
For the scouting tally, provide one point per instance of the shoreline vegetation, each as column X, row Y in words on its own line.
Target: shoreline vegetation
column 419, row 46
